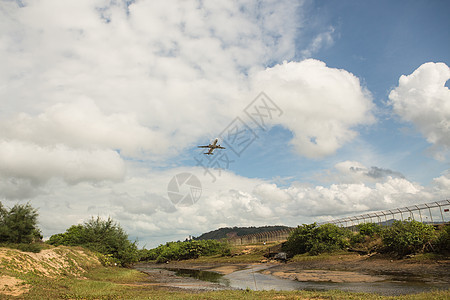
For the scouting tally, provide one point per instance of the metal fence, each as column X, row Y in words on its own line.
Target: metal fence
column 433, row 213
column 430, row 213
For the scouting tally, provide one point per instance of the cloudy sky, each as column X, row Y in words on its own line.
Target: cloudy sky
column 326, row 108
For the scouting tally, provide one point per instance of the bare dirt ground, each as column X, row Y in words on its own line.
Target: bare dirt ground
column 369, row 269
column 12, row 286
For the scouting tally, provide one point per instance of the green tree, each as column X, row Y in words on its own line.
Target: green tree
column 407, row 237
column 315, row 239
column 369, row 229
column 19, row 224
column 103, row 236
column 185, row 250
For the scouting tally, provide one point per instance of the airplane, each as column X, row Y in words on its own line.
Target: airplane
column 212, row 147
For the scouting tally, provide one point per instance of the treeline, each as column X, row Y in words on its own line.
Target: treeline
column 226, row 232
column 401, row 238
column 186, row 250
column 19, row 230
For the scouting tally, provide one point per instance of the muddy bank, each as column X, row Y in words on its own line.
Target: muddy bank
column 163, row 275
column 356, row 268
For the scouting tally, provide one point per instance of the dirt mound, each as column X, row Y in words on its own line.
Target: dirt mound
column 51, row 263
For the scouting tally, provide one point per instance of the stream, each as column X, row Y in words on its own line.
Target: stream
column 252, row 278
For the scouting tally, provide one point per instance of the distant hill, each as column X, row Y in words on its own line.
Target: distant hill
column 229, row 232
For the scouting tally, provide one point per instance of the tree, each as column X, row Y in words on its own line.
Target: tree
column 103, row 236
column 315, row 239
column 407, row 237
column 19, row 224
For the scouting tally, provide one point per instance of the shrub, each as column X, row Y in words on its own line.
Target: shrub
column 103, row 236
column 366, row 232
column 185, row 250
column 407, row 237
column 442, row 242
column 369, row 229
column 315, row 239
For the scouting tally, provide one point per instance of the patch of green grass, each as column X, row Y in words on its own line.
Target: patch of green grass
column 117, row 275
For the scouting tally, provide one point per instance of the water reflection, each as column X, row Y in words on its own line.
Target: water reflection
column 201, row 275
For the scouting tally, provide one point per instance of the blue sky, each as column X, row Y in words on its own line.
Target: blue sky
column 104, row 102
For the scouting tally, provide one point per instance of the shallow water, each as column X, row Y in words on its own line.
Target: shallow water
column 251, row 278
column 395, row 284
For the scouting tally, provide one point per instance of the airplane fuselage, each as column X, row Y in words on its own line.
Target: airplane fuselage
column 212, row 146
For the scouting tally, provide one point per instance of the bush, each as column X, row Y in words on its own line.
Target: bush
column 442, row 242
column 407, row 237
column 185, row 250
column 369, row 229
column 366, row 232
column 315, row 239
column 103, row 236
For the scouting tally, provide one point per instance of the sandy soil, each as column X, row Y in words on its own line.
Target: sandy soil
column 11, row 286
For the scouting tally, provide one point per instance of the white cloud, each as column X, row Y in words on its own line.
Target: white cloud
column 25, row 167
column 423, row 99
column 323, row 39
column 140, row 203
column 80, row 124
column 321, row 105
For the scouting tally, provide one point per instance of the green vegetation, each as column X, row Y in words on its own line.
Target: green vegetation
column 19, row 224
column 102, row 236
column 315, row 239
column 442, row 242
column 408, row 237
column 185, row 250
column 402, row 238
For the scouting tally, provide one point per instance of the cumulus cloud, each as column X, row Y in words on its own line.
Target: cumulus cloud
column 321, row 105
column 80, row 124
column 423, row 99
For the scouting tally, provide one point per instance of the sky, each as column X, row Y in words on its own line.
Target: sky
column 326, row 109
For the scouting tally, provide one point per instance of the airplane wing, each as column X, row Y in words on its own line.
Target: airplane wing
column 203, row 146
column 220, row 147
